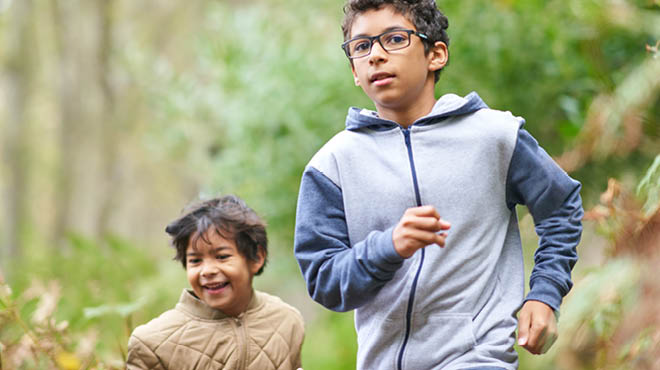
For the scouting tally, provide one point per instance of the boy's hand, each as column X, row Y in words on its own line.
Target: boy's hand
column 418, row 228
column 537, row 327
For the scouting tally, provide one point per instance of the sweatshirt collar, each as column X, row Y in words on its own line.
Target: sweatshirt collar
column 447, row 106
column 189, row 303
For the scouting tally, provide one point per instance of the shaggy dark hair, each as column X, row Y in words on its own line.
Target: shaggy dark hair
column 424, row 15
column 230, row 217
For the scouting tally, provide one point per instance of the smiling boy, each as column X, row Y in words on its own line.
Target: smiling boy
column 222, row 323
column 229, row 288
column 431, row 292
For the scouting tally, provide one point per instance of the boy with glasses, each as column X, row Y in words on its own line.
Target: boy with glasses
column 428, row 294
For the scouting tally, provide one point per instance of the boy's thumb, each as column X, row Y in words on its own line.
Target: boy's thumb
column 523, row 328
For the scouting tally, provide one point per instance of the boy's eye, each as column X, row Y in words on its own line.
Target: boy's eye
column 192, row 261
column 361, row 46
column 395, row 39
column 223, row 256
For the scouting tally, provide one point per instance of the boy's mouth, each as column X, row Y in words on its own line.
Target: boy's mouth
column 215, row 287
column 381, row 78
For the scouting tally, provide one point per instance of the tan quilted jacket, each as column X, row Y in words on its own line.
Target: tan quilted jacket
column 268, row 335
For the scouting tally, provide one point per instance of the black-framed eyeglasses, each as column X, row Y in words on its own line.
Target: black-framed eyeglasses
column 391, row 40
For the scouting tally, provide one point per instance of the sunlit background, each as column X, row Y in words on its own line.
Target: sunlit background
column 115, row 114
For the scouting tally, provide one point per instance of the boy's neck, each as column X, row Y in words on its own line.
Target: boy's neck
column 405, row 118
column 244, row 306
column 407, row 115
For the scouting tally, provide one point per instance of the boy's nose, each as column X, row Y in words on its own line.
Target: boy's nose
column 210, row 269
column 378, row 54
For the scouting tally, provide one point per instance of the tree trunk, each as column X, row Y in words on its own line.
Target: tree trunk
column 108, row 189
column 19, row 67
column 70, row 113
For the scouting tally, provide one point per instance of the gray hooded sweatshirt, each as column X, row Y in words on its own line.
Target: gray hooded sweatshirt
column 453, row 307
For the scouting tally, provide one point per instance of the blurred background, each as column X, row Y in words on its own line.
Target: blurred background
column 115, row 114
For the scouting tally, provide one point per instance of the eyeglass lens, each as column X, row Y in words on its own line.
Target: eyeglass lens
column 390, row 41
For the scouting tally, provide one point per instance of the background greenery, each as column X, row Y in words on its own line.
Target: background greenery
column 115, row 114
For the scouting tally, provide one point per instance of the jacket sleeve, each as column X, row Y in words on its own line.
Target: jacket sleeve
column 339, row 276
column 141, row 357
column 553, row 199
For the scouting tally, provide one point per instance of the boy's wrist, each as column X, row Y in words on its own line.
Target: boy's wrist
column 545, row 290
column 389, row 251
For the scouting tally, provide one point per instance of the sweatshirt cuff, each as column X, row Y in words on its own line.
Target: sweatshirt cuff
column 385, row 251
column 546, row 291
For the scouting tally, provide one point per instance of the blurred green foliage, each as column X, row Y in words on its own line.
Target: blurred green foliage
column 649, row 188
column 240, row 98
column 99, row 291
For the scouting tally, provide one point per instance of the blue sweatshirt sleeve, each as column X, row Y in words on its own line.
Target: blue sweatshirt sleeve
column 339, row 276
column 553, row 199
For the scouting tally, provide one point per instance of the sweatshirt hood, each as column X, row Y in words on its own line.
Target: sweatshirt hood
column 447, row 106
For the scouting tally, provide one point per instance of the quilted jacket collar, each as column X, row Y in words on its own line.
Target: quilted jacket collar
column 188, row 302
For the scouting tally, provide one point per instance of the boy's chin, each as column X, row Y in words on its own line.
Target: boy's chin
column 387, row 100
column 215, row 304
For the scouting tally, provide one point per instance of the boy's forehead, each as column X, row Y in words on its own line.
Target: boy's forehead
column 209, row 240
column 376, row 21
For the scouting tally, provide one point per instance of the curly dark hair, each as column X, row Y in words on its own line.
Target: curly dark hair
column 424, row 15
column 230, row 217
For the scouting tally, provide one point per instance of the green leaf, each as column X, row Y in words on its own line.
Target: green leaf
column 649, row 188
column 122, row 310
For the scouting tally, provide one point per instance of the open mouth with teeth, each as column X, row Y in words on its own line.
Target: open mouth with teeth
column 215, row 287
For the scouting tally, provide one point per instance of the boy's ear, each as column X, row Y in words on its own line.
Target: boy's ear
column 438, row 56
column 255, row 265
column 355, row 76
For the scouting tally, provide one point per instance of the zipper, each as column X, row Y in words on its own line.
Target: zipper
column 411, row 297
column 241, row 342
